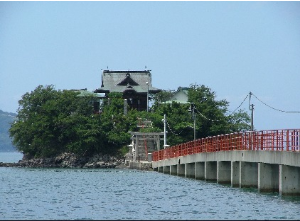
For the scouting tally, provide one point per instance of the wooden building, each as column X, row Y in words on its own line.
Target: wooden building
column 180, row 96
column 136, row 86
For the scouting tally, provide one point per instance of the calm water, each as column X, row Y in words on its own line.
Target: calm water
column 129, row 194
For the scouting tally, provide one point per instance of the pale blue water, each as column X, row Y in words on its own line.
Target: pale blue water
column 27, row 193
column 10, row 157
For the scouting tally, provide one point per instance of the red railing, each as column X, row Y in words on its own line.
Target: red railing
column 275, row 140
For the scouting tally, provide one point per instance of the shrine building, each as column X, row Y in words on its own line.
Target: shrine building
column 134, row 85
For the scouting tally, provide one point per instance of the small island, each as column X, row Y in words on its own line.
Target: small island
column 81, row 129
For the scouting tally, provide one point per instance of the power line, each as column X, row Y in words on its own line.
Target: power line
column 173, row 131
column 239, row 105
column 289, row 112
column 205, row 117
column 202, row 115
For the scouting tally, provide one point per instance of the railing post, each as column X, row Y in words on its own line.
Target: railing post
column 274, row 140
column 254, row 141
column 287, row 140
column 277, row 140
column 261, row 140
column 282, row 140
column 297, row 140
column 293, row 140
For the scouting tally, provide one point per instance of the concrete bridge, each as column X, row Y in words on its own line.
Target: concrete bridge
column 267, row 160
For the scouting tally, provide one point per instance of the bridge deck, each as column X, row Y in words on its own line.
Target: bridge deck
column 271, row 140
column 268, row 160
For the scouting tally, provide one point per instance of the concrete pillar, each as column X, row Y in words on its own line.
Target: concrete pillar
column 190, row 170
column 160, row 169
column 137, row 158
column 211, row 170
column 289, row 180
column 158, row 142
column 199, row 170
column 166, row 169
column 181, row 169
column 248, row 174
column 173, row 170
column 224, row 172
column 268, row 177
column 235, row 174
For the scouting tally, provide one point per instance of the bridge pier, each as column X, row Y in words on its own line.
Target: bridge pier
column 200, row 170
column 268, row 171
column 289, row 180
column 248, row 174
column 190, row 170
column 224, row 172
column 161, row 169
column 166, row 169
column 268, row 177
column 211, row 170
column 173, row 170
column 235, row 174
column 181, row 170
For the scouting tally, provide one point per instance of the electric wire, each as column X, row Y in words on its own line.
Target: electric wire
column 202, row 115
column 173, row 131
column 289, row 112
column 239, row 105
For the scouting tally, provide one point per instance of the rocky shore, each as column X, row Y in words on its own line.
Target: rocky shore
column 70, row 160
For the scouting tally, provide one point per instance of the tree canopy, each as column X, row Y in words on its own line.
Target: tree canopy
column 51, row 121
column 211, row 116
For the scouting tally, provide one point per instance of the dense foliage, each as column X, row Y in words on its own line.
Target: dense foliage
column 211, row 116
column 51, row 121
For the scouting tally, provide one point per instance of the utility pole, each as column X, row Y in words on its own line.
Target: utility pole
column 147, row 96
column 194, row 117
column 251, row 107
column 192, row 110
column 165, row 132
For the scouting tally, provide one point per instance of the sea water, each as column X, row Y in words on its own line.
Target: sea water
column 36, row 193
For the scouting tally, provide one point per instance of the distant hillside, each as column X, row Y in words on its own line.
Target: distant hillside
column 5, row 141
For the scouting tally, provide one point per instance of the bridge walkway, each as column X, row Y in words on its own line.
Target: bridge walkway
column 267, row 160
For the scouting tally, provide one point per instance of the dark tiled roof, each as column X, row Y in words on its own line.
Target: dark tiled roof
column 119, row 81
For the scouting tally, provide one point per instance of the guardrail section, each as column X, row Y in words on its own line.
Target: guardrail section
column 274, row 140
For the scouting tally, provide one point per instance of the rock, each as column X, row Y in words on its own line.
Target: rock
column 68, row 160
column 88, row 165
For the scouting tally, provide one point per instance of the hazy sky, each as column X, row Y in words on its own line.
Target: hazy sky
column 231, row 47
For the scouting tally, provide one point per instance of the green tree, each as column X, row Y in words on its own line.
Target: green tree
column 50, row 122
column 211, row 116
column 162, row 96
column 179, row 124
column 114, row 123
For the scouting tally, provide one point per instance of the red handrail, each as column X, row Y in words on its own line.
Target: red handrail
column 274, row 140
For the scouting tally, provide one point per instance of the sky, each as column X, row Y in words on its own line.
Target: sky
column 234, row 48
